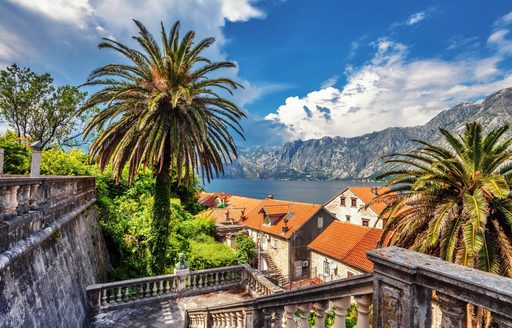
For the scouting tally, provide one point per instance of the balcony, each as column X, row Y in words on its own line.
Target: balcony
column 400, row 290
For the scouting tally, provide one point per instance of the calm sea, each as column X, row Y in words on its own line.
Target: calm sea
column 296, row 190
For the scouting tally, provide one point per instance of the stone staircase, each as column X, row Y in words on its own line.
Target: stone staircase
column 273, row 269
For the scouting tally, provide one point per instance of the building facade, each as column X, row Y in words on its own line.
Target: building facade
column 283, row 230
column 349, row 206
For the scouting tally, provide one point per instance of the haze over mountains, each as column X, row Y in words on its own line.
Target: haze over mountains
column 360, row 157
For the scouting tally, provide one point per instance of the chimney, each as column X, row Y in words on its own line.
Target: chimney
column 285, row 227
column 375, row 191
column 227, row 213
column 242, row 216
column 270, row 196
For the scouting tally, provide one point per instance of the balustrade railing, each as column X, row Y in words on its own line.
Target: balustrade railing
column 183, row 283
column 293, row 308
column 400, row 289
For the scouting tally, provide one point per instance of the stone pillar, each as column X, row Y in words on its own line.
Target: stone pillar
column 289, row 314
column 2, row 151
column 182, row 278
column 304, row 310
column 398, row 299
column 35, row 167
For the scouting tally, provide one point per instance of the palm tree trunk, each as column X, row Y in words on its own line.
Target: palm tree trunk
column 160, row 222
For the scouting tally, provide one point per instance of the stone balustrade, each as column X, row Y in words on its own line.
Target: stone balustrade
column 404, row 282
column 292, row 308
column 183, row 283
column 400, row 289
column 28, row 205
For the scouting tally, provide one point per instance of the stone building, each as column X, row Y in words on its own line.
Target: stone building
column 348, row 206
column 340, row 251
column 283, row 230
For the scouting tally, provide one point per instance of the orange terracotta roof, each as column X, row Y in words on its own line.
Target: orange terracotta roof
column 347, row 243
column 298, row 214
column 236, row 205
column 208, row 199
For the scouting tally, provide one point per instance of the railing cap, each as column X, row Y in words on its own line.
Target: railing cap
column 436, row 268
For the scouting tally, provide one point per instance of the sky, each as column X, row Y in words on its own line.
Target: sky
column 309, row 68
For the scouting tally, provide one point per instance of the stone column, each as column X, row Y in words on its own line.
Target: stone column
column 35, row 167
column 289, row 313
column 304, row 310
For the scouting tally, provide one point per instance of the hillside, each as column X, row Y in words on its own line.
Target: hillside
column 360, row 157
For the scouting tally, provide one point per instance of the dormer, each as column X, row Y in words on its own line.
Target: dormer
column 273, row 213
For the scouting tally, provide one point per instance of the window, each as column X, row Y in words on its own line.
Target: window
column 273, row 242
column 298, row 269
column 342, row 201
column 327, row 269
column 366, row 222
column 266, row 220
column 347, row 217
column 350, row 274
column 354, row 201
column 320, row 222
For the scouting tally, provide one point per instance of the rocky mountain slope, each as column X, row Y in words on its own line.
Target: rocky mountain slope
column 360, row 157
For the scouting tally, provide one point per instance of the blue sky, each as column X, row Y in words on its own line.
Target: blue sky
column 310, row 68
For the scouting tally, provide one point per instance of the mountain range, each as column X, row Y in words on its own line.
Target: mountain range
column 332, row 158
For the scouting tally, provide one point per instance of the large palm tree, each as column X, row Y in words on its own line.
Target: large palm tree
column 163, row 108
column 454, row 201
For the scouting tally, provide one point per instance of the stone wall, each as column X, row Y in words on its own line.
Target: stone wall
column 356, row 213
column 54, row 250
column 338, row 269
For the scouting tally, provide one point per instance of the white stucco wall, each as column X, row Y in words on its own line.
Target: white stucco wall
column 357, row 214
column 338, row 270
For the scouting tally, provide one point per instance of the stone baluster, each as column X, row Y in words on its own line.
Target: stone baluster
column 23, row 196
column 35, row 197
column 267, row 317
column 119, row 296
column 239, row 319
column 363, row 310
column 341, row 305
column 277, row 320
column 289, row 314
column 12, row 202
column 320, row 309
column 214, row 321
column 453, row 311
column 304, row 310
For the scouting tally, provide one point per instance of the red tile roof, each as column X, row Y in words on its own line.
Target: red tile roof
column 235, row 207
column 298, row 214
column 208, row 199
column 347, row 243
column 276, row 210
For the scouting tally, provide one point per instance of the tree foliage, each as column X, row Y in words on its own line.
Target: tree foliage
column 454, row 202
column 162, row 110
column 35, row 109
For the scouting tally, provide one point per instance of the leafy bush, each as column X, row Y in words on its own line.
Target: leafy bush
column 245, row 249
column 16, row 154
column 58, row 162
column 206, row 255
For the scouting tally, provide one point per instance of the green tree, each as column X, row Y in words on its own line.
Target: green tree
column 34, row 108
column 245, row 248
column 16, row 154
column 454, row 201
column 163, row 110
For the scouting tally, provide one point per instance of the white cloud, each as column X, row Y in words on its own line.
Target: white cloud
column 416, row 18
column 389, row 90
column 236, row 10
column 330, row 82
column 70, row 11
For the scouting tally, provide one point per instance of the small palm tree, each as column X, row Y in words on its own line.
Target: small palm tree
column 454, row 202
column 163, row 110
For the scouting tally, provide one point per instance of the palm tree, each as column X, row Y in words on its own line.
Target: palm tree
column 454, row 202
column 163, row 109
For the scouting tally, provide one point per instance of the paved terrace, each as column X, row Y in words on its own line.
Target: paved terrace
column 162, row 301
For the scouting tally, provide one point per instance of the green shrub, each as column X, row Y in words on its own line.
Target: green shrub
column 210, row 255
column 17, row 155
column 245, row 249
